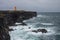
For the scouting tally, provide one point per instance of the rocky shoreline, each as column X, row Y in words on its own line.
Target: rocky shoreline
column 9, row 18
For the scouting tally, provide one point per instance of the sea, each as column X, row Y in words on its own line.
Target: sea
column 44, row 20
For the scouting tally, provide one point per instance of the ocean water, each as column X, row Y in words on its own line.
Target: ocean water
column 44, row 20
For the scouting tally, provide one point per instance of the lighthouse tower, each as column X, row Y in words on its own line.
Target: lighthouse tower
column 14, row 8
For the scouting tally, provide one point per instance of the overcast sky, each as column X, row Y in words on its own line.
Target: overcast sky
column 31, row 5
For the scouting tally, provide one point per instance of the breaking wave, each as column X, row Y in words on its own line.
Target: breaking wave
column 24, row 33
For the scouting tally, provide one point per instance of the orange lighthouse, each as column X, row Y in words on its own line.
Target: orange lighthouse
column 14, row 8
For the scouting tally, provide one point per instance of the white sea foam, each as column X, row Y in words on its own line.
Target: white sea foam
column 17, row 23
column 43, row 16
column 23, row 32
column 47, row 24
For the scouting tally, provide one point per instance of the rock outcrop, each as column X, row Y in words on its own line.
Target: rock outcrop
column 17, row 16
column 8, row 18
column 26, row 15
column 4, row 33
column 40, row 30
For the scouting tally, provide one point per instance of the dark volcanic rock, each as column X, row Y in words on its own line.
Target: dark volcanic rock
column 17, row 16
column 4, row 33
column 34, row 31
column 8, row 18
column 26, row 15
column 40, row 30
column 11, row 30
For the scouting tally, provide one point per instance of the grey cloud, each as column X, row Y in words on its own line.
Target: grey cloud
column 36, row 5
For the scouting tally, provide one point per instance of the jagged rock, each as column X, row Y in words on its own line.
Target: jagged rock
column 4, row 33
column 11, row 30
column 8, row 18
column 17, row 16
column 40, row 30
column 34, row 31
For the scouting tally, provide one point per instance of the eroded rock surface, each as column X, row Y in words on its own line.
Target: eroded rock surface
column 4, row 33
column 40, row 30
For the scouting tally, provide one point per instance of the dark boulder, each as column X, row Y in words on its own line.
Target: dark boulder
column 29, row 27
column 40, row 30
column 34, row 31
column 11, row 30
